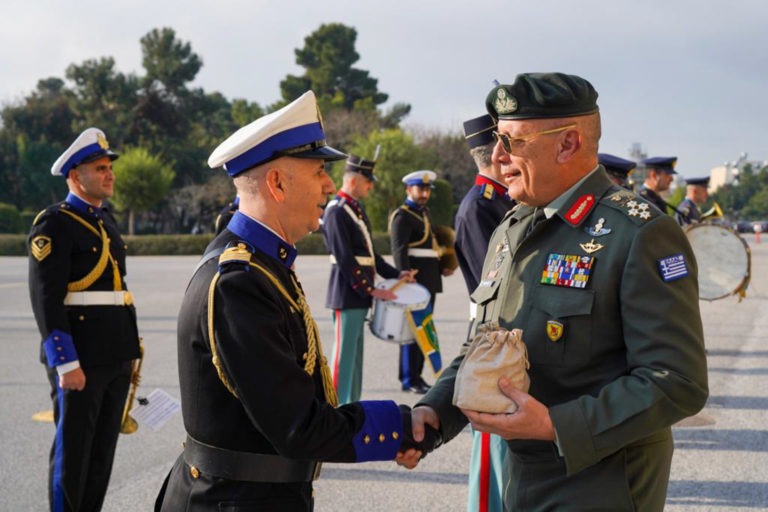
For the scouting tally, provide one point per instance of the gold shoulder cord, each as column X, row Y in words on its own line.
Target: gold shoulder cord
column 95, row 273
column 314, row 348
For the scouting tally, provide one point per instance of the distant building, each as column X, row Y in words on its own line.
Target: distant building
column 729, row 172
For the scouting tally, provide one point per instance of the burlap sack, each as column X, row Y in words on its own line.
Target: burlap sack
column 493, row 353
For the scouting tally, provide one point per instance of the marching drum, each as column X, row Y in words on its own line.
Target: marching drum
column 388, row 322
column 723, row 258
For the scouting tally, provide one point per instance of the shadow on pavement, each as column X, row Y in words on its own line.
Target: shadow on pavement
column 722, row 494
column 399, row 475
column 698, row 439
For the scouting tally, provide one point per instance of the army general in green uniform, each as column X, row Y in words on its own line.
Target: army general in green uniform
column 604, row 287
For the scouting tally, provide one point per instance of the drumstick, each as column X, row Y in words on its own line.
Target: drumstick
column 402, row 281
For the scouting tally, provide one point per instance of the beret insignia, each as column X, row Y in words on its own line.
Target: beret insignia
column 504, row 104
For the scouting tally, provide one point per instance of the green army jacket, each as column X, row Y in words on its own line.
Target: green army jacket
column 618, row 355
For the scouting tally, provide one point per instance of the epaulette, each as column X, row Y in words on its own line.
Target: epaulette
column 335, row 202
column 52, row 209
column 630, row 204
column 236, row 256
column 488, row 191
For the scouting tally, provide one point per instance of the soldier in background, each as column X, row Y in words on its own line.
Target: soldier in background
column 480, row 212
column 87, row 321
column 354, row 265
column 618, row 169
column 695, row 194
column 225, row 215
column 661, row 173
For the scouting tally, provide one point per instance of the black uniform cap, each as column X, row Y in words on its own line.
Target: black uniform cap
column 361, row 166
column 541, row 96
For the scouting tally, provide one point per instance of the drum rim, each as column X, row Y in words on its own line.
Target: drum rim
column 747, row 275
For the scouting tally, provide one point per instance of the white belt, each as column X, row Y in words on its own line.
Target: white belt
column 365, row 261
column 121, row 298
column 422, row 253
column 472, row 310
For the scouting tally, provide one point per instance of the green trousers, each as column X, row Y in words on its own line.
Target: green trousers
column 347, row 358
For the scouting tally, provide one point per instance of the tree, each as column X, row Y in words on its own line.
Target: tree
column 399, row 156
column 453, row 159
column 327, row 56
column 441, row 205
column 141, row 180
column 168, row 60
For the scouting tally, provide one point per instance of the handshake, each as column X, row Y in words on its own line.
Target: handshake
column 421, row 435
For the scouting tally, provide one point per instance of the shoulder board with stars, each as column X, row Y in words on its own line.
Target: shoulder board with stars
column 629, row 203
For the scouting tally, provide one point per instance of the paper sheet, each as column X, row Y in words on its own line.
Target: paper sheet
column 159, row 408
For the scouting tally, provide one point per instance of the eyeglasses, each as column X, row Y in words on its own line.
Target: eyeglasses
column 511, row 143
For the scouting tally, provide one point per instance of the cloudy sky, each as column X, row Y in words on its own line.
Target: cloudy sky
column 685, row 78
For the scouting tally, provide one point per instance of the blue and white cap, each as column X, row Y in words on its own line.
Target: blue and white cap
column 296, row 130
column 88, row 146
column 420, row 178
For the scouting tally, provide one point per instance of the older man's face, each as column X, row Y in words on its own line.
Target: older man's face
column 530, row 170
column 308, row 188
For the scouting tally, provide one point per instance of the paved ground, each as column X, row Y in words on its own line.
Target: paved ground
column 720, row 459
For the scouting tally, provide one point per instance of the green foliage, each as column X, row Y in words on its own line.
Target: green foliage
column 141, row 180
column 746, row 198
column 327, row 57
column 676, row 197
column 168, row 60
column 10, row 219
column 441, row 204
column 399, row 156
column 150, row 245
column 13, row 245
column 454, row 163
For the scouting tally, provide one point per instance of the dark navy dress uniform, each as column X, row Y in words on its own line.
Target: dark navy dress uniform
column 225, row 215
column 665, row 164
column 76, row 249
column 410, row 228
column 354, row 264
column 258, row 423
column 687, row 213
column 479, row 214
column 351, row 282
column 618, row 169
column 257, row 399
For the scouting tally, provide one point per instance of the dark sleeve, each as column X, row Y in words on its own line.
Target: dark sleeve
column 336, row 226
column 440, row 398
column 252, row 339
column 667, row 379
column 473, row 231
column 400, row 235
column 384, row 269
column 49, row 269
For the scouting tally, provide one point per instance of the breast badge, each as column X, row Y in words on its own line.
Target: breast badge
column 591, row 246
column 567, row 270
column 554, row 330
column 598, row 229
column 41, row 247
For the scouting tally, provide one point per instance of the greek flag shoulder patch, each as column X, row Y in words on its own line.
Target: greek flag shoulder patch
column 673, row 267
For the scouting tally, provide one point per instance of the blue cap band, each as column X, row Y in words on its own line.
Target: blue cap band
column 263, row 152
column 79, row 156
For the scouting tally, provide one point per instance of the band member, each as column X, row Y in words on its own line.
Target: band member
column 354, row 264
column 618, row 169
column 695, row 194
column 481, row 210
column 225, row 215
column 257, row 398
column 661, row 173
column 414, row 247
column 87, row 322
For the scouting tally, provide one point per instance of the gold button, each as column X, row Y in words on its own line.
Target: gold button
column 55, row 338
column 62, row 358
column 367, row 439
column 94, row 248
column 382, row 438
column 395, row 435
column 365, row 281
column 90, row 209
column 109, row 239
column 194, row 472
column 59, row 349
column 125, row 247
column 81, row 318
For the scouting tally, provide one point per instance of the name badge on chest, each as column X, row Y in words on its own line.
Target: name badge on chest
column 567, row 270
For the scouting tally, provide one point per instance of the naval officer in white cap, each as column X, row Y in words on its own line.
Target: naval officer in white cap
column 259, row 406
column 87, row 322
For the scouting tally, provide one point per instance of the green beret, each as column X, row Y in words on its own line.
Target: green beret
column 541, row 96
